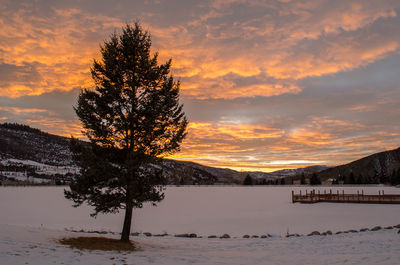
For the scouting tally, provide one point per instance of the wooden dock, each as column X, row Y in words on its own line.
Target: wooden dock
column 360, row 197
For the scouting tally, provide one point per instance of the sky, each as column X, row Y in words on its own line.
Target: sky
column 266, row 85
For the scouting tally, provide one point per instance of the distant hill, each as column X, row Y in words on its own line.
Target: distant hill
column 376, row 168
column 23, row 143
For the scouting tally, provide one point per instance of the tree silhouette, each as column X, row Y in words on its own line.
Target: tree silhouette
column 131, row 117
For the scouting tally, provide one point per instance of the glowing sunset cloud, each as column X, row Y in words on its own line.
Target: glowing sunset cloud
column 266, row 84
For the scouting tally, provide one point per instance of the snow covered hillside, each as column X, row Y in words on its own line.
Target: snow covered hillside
column 38, row 154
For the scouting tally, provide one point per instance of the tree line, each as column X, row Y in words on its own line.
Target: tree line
column 351, row 179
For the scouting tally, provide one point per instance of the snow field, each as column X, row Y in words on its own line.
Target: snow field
column 24, row 245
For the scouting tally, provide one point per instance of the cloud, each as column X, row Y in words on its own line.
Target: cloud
column 263, row 82
column 278, row 42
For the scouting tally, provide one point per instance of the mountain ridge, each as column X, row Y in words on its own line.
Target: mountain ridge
column 21, row 142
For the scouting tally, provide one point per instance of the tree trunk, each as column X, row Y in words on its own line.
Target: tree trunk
column 126, row 230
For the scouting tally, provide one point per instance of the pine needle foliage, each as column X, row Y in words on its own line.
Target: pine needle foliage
column 131, row 117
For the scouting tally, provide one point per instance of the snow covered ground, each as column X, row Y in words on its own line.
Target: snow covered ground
column 24, row 245
column 33, row 218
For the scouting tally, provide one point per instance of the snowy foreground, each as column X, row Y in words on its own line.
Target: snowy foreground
column 32, row 219
column 24, row 245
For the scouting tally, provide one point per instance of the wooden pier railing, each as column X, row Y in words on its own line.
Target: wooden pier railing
column 360, row 197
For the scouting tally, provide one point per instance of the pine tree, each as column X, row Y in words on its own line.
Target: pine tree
column 283, row 181
column 315, row 180
column 352, row 179
column 248, row 180
column 395, row 178
column 303, row 179
column 131, row 118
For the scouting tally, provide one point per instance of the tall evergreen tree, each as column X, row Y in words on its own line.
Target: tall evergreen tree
column 248, row 180
column 283, row 181
column 315, row 180
column 303, row 179
column 352, row 179
column 395, row 177
column 131, row 117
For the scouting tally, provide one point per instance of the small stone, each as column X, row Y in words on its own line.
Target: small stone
column 338, row 233
column 225, row 236
column 353, row 231
column 254, row 236
column 212, row 236
column 192, row 235
column 364, row 229
column 389, row 227
column 314, row 233
column 397, row 226
column 398, row 232
column 147, row 234
column 264, row 236
column 246, row 236
column 329, row 232
column 376, row 228
column 135, row 234
column 182, row 235
column 161, row 235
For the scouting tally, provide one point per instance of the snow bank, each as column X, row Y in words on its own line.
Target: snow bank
column 23, row 245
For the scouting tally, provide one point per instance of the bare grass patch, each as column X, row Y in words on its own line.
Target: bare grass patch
column 98, row 243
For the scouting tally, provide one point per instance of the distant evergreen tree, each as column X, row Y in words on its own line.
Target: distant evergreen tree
column 283, row 181
column 248, row 180
column 291, row 181
column 303, row 179
column 264, row 182
column 182, row 181
column 395, row 177
column 315, row 180
column 352, row 179
column 346, row 179
column 375, row 178
column 360, row 180
column 398, row 176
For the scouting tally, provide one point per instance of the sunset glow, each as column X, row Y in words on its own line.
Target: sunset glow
column 266, row 85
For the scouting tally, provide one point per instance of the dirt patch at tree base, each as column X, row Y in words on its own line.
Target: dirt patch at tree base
column 98, row 243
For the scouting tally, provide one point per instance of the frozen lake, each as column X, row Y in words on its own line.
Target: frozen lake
column 204, row 210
